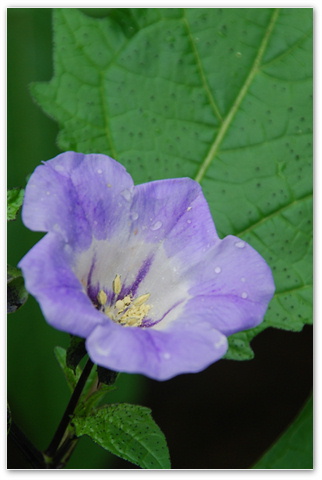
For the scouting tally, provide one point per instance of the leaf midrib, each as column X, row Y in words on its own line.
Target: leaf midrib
column 236, row 104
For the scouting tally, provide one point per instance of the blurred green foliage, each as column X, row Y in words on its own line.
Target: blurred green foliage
column 294, row 449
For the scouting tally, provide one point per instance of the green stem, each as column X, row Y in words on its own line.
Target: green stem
column 51, row 452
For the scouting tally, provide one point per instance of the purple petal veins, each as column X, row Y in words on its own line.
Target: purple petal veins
column 139, row 271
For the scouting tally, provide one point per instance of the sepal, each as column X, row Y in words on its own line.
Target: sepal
column 75, row 352
column 106, row 376
column 94, row 390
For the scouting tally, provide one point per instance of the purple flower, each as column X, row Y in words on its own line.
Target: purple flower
column 139, row 271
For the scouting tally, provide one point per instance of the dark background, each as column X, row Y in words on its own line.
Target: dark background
column 222, row 418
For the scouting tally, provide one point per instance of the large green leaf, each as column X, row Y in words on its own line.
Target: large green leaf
column 127, row 431
column 220, row 95
column 294, row 449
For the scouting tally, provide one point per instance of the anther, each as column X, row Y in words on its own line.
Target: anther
column 141, row 299
column 102, row 297
column 117, row 284
column 120, row 305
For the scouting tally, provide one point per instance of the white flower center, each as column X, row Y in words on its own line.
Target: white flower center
column 127, row 311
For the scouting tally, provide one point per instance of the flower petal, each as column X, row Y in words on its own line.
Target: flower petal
column 77, row 196
column 233, row 285
column 50, row 279
column 156, row 354
column 175, row 213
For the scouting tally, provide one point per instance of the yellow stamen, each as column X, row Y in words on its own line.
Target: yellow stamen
column 141, row 299
column 133, row 322
column 119, row 305
column 102, row 297
column 117, row 284
column 127, row 311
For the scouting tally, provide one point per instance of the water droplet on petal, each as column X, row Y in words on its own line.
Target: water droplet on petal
column 59, row 168
column 68, row 248
column 99, row 171
column 126, row 194
column 156, row 226
column 166, row 355
column 240, row 244
column 134, row 216
column 243, row 279
column 188, row 221
column 48, row 193
column 244, row 295
column 217, row 270
column 220, row 343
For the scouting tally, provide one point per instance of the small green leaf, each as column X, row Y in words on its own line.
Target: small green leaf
column 12, row 273
column 14, row 202
column 16, row 293
column 127, row 431
column 71, row 377
column 294, row 449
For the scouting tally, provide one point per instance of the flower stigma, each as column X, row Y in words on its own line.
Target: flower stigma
column 128, row 311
